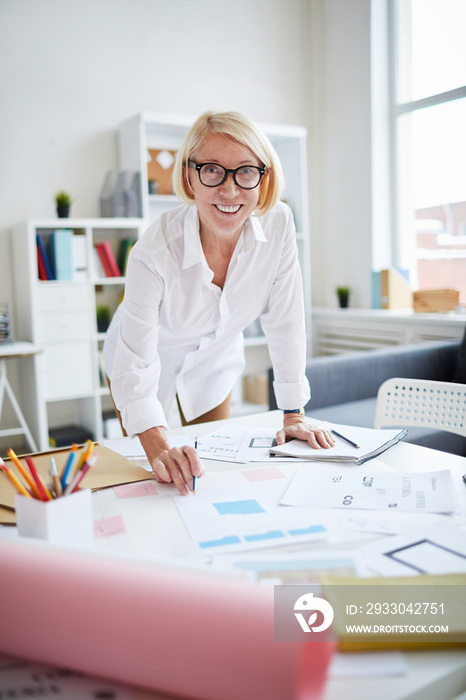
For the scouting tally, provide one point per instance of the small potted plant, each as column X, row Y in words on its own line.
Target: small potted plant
column 343, row 294
column 103, row 318
column 63, row 203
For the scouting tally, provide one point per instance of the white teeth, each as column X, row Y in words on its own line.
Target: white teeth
column 228, row 210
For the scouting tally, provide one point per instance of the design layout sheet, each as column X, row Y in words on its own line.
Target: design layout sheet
column 245, row 513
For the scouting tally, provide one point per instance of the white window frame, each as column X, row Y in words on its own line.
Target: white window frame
column 399, row 109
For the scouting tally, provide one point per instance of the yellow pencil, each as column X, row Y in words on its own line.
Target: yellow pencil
column 87, row 449
column 32, row 485
column 14, row 479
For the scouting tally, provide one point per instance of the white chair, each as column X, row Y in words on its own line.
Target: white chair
column 420, row 402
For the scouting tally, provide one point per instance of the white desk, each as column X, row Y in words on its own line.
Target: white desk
column 9, row 351
column 433, row 675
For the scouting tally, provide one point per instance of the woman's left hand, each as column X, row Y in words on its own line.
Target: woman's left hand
column 295, row 427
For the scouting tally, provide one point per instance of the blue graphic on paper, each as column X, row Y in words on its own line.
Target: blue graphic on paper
column 271, row 535
column 239, row 507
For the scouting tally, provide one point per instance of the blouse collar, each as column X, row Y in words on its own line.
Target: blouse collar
column 252, row 232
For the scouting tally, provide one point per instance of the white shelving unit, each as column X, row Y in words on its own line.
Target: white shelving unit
column 148, row 130
column 61, row 317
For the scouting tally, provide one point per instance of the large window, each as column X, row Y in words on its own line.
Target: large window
column 430, row 128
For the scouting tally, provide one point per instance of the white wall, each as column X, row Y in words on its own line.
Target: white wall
column 71, row 71
column 348, row 147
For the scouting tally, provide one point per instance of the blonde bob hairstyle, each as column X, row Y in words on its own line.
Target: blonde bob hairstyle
column 244, row 131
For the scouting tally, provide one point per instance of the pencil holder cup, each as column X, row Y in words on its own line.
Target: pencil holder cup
column 64, row 521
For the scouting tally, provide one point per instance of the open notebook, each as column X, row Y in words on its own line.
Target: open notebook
column 370, row 443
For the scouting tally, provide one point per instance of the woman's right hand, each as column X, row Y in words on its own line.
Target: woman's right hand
column 177, row 465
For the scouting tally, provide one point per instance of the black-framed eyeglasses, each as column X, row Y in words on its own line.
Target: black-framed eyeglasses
column 212, row 174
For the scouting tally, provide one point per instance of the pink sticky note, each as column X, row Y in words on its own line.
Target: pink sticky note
column 106, row 527
column 140, row 488
column 263, row 474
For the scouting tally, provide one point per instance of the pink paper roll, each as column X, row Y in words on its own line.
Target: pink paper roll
column 182, row 632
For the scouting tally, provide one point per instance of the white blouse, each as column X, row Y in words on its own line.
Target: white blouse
column 178, row 333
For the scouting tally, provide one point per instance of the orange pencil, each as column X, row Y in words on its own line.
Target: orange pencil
column 11, row 454
column 45, row 494
column 14, row 479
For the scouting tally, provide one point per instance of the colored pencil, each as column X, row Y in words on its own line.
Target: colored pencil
column 45, row 494
column 55, row 478
column 79, row 475
column 14, row 479
column 67, row 467
column 31, row 483
column 87, row 449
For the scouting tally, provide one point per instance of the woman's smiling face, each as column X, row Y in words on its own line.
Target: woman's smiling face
column 223, row 209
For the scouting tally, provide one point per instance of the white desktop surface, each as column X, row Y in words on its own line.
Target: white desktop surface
column 154, row 534
column 19, row 349
column 165, row 535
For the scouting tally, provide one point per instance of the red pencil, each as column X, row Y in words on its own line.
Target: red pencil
column 45, row 494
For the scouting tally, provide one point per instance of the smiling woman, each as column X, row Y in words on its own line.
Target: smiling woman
column 223, row 207
column 195, row 280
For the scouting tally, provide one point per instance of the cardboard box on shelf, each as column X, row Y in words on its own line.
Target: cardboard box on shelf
column 255, row 389
column 432, row 300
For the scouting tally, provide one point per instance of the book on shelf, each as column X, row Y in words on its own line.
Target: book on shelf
column 123, row 253
column 41, row 265
column 108, row 259
column 59, row 251
column 79, row 256
column 98, row 267
column 61, row 255
column 43, row 257
column 391, row 289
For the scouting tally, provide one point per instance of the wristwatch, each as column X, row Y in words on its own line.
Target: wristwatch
column 299, row 411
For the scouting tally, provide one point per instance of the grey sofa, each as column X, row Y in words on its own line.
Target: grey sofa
column 344, row 387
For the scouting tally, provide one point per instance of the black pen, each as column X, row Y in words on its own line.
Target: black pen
column 350, row 442
column 464, row 478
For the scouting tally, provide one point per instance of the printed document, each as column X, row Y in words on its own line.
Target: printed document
column 428, row 492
